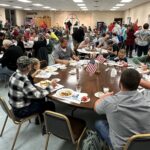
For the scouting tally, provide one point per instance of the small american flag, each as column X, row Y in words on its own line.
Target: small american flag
column 91, row 67
column 101, row 59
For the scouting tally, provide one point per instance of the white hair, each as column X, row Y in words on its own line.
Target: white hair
column 7, row 42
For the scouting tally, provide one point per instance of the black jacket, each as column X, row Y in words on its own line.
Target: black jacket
column 10, row 57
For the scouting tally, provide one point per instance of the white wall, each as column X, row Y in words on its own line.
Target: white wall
column 2, row 15
column 140, row 12
column 20, row 17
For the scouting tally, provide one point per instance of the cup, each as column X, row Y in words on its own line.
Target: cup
column 78, row 88
column 105, row 89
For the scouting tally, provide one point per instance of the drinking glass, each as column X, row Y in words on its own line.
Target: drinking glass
column 78, row 88
column 105, row 89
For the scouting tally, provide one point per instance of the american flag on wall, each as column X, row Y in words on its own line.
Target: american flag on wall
column 91, row 67
column 101, row 59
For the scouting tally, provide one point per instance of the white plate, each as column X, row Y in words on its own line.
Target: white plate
column 43, row 84
column 50, row 69
column 58, row 93
column 98, row 94
column 55, row 73
column 72, row 71
column 56, row 79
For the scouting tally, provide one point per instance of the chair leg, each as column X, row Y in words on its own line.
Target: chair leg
column 16, row 136
column 78, row 142
column 47, row 139
column 4, row 126
column 29, row 121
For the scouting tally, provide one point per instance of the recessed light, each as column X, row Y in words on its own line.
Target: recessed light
column 5, row 5
column 17, row 7
column 78, row 1
column 126, row 1
column 25, row 1
column 81, row 4
column 38, row 5
column 119, row 5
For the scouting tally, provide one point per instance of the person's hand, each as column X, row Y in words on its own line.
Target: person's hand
column 53, row 83
column 106, row 95
column 66, row 62
column 144, row 67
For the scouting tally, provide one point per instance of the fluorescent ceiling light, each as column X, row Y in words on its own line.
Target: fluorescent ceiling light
column 5, row 5
column 46, row 7
column 116, row 7
column 81, row 4
column 38, row 5
column 112, row 9
column 17, row 7
column 27, row 9
column 126, row 1
column 119, row 5
column 25, row 1
column 78, row 1
column 53, row 9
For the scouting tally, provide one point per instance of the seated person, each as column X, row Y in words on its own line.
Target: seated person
column 112, row 49
column 35, row 69
column 121, row 56
column 103, row 40
column 62, row 53
column 122, row 111
column 143, row 61
column 85, row 43
column 9, row 59
column 25, row 98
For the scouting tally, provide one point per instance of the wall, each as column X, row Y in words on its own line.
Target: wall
column 20, row 17
column 86, row 18
column 2, row 15
column 140, row 12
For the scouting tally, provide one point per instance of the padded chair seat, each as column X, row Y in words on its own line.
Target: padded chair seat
column 77, row 126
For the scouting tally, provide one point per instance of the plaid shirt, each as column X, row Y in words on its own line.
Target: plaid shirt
column 21, row 91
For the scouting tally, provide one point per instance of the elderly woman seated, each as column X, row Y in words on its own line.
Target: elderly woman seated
column 85, row 43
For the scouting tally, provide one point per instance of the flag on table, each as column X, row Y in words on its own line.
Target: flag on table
column 91, row 67
column 101, row 59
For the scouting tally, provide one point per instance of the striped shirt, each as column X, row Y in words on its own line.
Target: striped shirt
column 21, row 91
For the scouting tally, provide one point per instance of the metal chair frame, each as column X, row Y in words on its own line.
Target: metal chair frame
column 61, row 116
column 15, row 120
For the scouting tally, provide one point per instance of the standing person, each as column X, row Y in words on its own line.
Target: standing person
column 142, row 40
column 122, row 111
column 130, row 41
column 24, row 98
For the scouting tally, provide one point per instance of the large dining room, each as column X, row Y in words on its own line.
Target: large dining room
column 74, row 74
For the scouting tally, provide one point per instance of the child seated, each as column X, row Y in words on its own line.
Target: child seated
column 121, row 56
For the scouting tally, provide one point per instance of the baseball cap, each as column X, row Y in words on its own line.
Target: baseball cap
column 23, row 62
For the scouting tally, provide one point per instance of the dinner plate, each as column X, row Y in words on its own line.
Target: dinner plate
column 65, row 92
column 51, row 69
column 43, row 84
column 72, row 72
column 99, row 94
column 55, row 73
column 56, row 79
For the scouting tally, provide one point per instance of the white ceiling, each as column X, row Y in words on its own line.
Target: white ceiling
column 69, row 5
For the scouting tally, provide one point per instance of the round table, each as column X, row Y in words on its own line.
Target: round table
column 89, row 84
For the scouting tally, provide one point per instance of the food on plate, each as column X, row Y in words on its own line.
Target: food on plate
column 84, row 99
column 65, row 93
column 45, row 83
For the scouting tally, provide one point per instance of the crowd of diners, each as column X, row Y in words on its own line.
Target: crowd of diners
column 24, row 48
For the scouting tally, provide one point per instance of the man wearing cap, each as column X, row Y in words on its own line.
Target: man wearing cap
column 25, row 98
